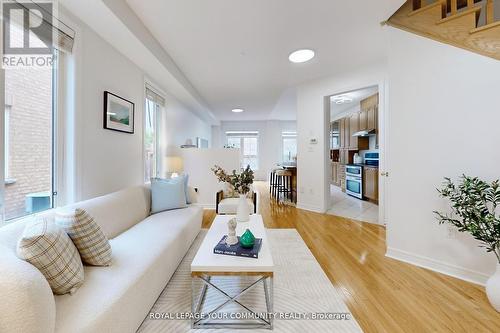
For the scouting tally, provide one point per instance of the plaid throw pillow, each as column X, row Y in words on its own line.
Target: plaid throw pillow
column 87, row 236
column 48, row 248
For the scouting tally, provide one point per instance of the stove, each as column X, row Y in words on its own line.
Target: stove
column 354, row 175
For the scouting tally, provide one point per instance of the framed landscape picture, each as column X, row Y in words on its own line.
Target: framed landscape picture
column 118, row 113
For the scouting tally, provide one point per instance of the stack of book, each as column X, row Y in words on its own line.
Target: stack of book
column 237, row 249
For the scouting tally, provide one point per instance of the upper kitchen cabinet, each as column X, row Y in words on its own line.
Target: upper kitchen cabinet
column 369, row 113
column 344, row 133
column 335, row 135
column 356, row 142
column 353, row 128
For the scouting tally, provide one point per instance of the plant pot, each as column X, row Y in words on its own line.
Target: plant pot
column 243, row 211
column 493, row 289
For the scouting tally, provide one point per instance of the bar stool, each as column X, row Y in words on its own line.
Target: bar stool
column 284, row 180
column 272, row 182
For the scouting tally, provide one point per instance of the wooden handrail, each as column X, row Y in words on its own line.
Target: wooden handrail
column 490, row 12
column 470, row 3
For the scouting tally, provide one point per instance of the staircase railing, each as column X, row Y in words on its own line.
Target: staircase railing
column 453, row 7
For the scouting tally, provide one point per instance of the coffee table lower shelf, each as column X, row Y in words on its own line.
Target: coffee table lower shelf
column 262, row 278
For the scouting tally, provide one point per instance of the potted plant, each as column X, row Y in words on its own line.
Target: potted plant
column 241, row 183
column 474, row 210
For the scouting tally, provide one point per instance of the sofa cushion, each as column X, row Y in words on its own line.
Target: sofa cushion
column 86, row 234
column 118, row 211
column 167, row 194
column 230, row 205
column 117, row 298
column 27, row 303
column 47, row 247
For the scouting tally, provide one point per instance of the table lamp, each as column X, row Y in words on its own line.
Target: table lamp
column 173, row 165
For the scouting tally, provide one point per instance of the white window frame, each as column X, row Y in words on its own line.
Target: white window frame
column 242, row 135
column 287, row 135
column 7, row 103
column 159, row 113
column 6, row 142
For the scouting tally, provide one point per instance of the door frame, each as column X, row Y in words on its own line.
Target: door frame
column 382, row 142
column 2, row 144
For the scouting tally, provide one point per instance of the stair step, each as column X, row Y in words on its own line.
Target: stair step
column 460, row 29
column 486, row 39
column 486, row 27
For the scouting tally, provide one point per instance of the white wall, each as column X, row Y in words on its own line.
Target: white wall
column 270, row 140
column 198, row 163
column 108, row 160
column 181, row 124
column 313, row 118
column 443, row 122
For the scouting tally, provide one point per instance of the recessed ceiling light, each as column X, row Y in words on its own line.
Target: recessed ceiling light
column 341, row 99
column 301, row 56
column 237, row 110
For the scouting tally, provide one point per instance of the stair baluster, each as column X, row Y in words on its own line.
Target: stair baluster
column 454, row 7
column 490, row 15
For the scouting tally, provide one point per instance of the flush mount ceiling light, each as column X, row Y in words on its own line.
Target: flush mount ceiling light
column 341, row 99
column 237, row 110
column 301, row 56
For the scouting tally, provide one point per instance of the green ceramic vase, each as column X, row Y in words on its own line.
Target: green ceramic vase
column 247, row 240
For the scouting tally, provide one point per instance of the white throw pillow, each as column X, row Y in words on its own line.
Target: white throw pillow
column 47, row 247
column 87, row 236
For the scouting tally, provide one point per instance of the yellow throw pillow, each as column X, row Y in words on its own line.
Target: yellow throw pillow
column 47, row 247
column 87, row 236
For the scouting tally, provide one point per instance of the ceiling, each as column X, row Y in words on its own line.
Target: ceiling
column 357, row 96
column 235, row 52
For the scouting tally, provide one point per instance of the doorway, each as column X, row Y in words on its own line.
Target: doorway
column 354, row 154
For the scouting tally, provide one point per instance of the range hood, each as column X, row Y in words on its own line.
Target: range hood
column 366, row 132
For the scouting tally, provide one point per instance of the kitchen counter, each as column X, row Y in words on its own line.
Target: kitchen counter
column 365, row 165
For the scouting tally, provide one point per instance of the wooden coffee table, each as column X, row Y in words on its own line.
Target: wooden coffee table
column 206, row 265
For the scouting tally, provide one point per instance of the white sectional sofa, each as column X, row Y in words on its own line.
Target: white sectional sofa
column 146, row 252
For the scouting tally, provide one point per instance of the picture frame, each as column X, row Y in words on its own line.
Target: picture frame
column 118, row 114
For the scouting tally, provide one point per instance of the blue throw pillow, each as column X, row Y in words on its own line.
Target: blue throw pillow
column 167, row 194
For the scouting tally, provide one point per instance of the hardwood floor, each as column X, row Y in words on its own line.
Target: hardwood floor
column 384, row 295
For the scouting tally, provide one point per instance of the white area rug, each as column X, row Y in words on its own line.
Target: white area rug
column 300, row 286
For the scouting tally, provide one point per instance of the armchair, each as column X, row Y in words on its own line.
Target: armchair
column 228, row 206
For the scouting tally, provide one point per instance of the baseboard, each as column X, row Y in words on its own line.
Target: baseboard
column 438, row 266
column 311, row 208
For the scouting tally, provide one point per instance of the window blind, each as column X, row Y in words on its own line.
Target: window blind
column 154, row 96
column 52, row 31
column 242, row 133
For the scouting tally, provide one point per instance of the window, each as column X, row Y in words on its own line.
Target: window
column 248, row 144
column 289, row 146
column 152, row 130
column 29, row 140
column 6, row 141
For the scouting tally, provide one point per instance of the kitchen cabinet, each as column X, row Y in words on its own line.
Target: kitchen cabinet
column 369, row 107
column 370, row 183
column 334, row 135
column 344, row 156
column 335, row 173
column 342, row 177
column 353, row 128
column 363, row 121
column 344, row 133
column 372, row 118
